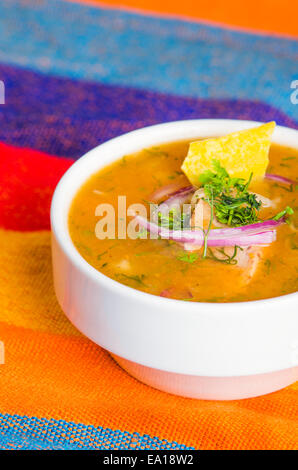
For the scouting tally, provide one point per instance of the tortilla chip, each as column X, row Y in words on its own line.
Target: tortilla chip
column 240, row 153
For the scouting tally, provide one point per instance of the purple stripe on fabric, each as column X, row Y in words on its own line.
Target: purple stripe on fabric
column 67, row 117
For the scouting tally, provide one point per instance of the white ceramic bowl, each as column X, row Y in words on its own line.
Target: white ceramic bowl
column 199, row 350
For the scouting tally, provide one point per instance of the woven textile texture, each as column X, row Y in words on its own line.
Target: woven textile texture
column 76, row 75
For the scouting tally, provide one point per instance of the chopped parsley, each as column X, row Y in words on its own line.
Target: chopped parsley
column 287, row 211
column 233, row 204
column 225, row 258
column 188, row 258
column 101, row 254
column 143, row 233
column 268, row 265
column 174, row 220
column 137, row 278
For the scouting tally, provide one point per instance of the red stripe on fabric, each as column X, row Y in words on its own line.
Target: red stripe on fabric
column 27, row 182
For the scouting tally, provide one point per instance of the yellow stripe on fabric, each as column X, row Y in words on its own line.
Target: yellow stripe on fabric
column 27, row 295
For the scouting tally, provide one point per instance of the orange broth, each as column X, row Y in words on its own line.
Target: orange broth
column 155, row 266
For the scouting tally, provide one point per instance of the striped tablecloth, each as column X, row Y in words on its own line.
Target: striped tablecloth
column 75, row 75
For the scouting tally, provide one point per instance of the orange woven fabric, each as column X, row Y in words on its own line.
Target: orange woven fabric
column 273, row 16
column 52, row 371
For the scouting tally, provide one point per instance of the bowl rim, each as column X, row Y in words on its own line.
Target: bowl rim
column 68, row 247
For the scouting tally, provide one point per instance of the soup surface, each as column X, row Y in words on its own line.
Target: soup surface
column 162, row 267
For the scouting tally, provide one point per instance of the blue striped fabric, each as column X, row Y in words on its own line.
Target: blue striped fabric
column 159, row 54
column 22, row 432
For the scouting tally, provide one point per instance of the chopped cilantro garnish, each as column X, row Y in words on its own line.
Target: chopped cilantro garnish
column 287, row 211
column 174, row 220
column 137, row 278
column 225, row 258
column 268, row 265
column 143, row 233
column 101, row 254
column 188, row 258
column 233, row 204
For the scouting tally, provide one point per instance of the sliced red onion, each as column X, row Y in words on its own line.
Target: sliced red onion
column 171, row 190
column 166, row 191
column 265, row 201
column 176, row 199
column 279, row 179
column 214, row 239
column 248, row 229
column 183, row 191
column 171, row 291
